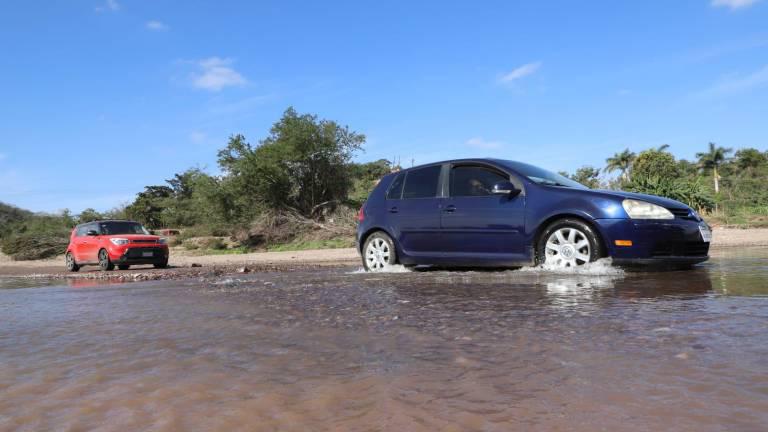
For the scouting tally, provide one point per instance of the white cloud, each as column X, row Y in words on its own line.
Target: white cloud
column 480, row 143
column 217, row 73
column 520, row 72
column 733, row 4
column 737, row 84
column 155, row 25
column 198, row 137
column 108, row 6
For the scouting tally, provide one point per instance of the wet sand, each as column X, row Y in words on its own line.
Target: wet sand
column 335, row 349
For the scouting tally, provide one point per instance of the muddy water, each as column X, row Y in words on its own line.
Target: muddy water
column 320, row 350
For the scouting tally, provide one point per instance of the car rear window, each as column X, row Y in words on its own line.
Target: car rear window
column 396, row 188
column 422, row 182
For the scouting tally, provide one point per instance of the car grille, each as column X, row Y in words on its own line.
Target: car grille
column 139, row 253
column 680, row 249
column 144, row 241
column 682, row 214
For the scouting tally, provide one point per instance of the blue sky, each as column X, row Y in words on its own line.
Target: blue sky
column 103, row 97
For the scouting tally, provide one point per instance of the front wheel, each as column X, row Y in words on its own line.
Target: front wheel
column 71, row 263
column 104, row 262
column 379, row 252
column 161, row 265
column 568, row 243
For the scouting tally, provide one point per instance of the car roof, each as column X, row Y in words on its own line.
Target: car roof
column 106, row 220
column 469, row 160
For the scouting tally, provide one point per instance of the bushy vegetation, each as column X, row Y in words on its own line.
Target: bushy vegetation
column 727, row 187
column 26, row 236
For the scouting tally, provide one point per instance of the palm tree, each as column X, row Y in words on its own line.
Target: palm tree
column 622, row 162
column 712, row 160
column 662, row 148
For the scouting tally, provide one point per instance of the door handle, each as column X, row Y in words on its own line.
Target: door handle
column 450, row 209
column 393, row 210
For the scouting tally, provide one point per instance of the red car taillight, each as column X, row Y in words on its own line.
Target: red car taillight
column 361, row 214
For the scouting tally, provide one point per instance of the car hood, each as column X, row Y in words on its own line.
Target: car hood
column 653, row 199
column 135, row 237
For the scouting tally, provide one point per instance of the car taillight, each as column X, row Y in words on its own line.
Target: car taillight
column 361, row 215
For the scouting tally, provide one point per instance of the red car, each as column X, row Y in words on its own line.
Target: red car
column 115, row 243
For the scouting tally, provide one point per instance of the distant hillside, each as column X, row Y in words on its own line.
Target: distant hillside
column 25, row 235
column 10, row 215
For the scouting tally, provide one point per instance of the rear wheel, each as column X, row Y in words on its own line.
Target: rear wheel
column 124, row 266
column 568, row 243
column 71, row 263
column 161, row 265
column 104, row 262
column 379, row 252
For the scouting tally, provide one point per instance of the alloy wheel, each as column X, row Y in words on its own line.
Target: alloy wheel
column 567, row 247
column 104, row 261
column 378, row 254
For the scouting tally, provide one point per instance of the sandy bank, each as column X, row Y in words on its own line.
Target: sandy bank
column 723, row 239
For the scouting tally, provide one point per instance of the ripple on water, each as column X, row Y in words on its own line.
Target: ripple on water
column 431, row 350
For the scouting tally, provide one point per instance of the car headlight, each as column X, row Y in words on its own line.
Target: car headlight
column 644, row 210
column 119, row 241
column 162, row 241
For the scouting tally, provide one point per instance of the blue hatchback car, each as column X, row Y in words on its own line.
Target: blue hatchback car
column 501, row 213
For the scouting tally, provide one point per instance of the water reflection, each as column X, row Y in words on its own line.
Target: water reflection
column 328, row 350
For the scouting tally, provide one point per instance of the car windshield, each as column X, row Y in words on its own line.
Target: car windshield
column 112, row 228
column 542, row 176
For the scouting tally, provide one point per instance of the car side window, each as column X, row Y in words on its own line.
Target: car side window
column 474, row 180
column 396, row 188
column 422, row 182
column 92, row 226
column 81, row 231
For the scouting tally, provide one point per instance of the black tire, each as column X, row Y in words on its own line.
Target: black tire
column 161, row 265
column 124, row 266
column 596, row 248
column 383, row 243
column 104, row 262
column 71, row 263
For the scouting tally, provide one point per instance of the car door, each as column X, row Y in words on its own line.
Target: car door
column 477, row 224
column 79, row 243
column 414, row 214
column 89, row 244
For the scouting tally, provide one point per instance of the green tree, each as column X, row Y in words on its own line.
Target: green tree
column 749, row 159
column 588, row 176
column 365, row 176
column 149, row 206
column 621, row 162
column 655, row 163
column 301, row 165
column 89, row 215
column 712, row 159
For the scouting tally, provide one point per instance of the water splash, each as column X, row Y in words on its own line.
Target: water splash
column 601, row 267
column 397, row 268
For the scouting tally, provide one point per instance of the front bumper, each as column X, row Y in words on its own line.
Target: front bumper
column 663, row 242
column 139, row 255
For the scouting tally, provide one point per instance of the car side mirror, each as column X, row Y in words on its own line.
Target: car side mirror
column 505, row 188
column 151, row 232
column 92, row 233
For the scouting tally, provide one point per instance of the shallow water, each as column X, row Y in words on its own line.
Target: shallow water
column 430, row 350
